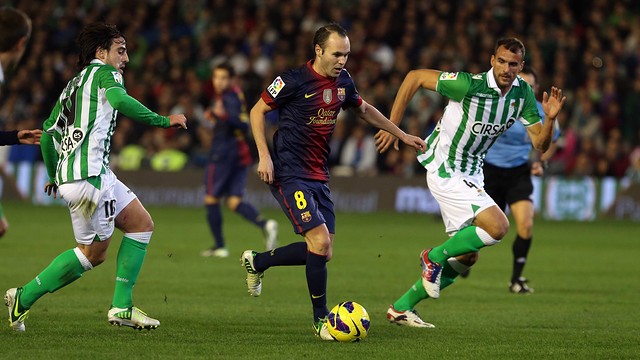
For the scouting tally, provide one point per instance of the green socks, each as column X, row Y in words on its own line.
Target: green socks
column 130, row 258
column 63, row 270
column 417, row 293
column 464, row 241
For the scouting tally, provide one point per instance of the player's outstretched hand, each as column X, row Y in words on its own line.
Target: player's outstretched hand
column 50, row 188
column 553, row 103
column 265, row 170
column 415, row 142
column 178, row 120
column 384, row 139
column 29, row 136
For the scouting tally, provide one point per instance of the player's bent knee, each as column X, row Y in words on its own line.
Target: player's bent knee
column 320, row 247
column 96, row 257
column 498, row 230
column 233, row 202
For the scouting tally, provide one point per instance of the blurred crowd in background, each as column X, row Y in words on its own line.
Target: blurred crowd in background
column 590, row 49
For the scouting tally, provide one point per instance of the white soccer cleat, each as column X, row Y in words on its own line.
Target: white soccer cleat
column 16, row 317
column 407, row 318
column 322, row 331
column 520, row 287
column 271, row 234
column 132, row 317
column 215, row 252
column 254, row 277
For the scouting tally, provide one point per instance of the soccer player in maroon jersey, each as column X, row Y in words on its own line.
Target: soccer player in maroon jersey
column 229, row 161
column 309, row 99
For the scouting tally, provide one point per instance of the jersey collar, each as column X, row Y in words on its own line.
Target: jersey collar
column 97, row 61
column 316, row 74
column 491, row 82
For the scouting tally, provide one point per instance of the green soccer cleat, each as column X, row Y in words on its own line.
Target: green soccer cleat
column 254, row 277
column 132, row 317
column 16, row 316
column 322, row 331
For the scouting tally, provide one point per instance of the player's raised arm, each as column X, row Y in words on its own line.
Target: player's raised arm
column 257, row 119
column 371, row 115
column 414, row 80
column 541, row 135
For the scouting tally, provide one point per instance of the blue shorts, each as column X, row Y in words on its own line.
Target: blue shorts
column 306, row 203
column 222, row 179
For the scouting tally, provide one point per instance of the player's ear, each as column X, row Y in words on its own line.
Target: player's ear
column 101, row 53
column 318, row 50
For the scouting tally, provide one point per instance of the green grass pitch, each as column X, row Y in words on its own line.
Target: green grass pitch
column 585, row 305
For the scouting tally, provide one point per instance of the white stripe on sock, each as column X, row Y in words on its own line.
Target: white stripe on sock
column 485, row 237
column 86, row 264
column 457, row 265
column 142, row 237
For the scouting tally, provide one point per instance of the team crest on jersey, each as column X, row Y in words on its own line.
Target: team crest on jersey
column 118, row 77
column 276, row 86
column 341, row 94
column 77, row 135
column 448, row 76
column 327, row 96
column 305, row 216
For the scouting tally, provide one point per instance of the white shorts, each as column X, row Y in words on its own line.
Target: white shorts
column 461, row 198
column 93, row 211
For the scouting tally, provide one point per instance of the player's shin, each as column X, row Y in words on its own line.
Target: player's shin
column 520, row 251
column 289, row 255
column 214, row 219
column 416, row 293
column 63, row 270
column 129, row 262
column 467, row 240
column 250, row 213
column 317, row 283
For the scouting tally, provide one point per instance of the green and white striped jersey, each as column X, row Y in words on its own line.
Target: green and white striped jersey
column 476, row 115
column 82, row 123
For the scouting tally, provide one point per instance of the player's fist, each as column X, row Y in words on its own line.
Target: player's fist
column 178, row 120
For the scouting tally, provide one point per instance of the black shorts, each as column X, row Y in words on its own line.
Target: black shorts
column 508, row 185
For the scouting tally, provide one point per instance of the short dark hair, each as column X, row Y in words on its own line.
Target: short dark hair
column 225, row 66
column 95, row 36
column 322, row 34
column 14, row 25
column 529, row 70
column 512, row 44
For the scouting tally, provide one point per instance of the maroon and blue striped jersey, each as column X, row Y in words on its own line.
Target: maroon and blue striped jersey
column 229, row 142
column 308, row 105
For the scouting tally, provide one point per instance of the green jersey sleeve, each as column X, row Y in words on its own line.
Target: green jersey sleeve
column 530, row 114
column 121, row 101
column 454, row 85
column 111, row 80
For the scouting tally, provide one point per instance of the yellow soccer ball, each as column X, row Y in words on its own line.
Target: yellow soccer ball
column 348, row 322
